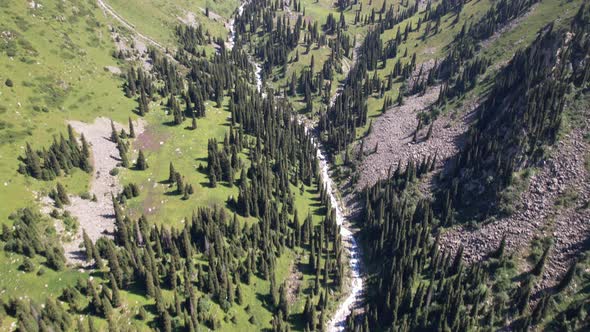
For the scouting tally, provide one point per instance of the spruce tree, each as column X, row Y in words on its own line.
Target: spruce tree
column 115, row 296
column 141, row 163
column 62, row 194
column 131, row 129
column 194, row 122
column 538, row 268
column 88, row 246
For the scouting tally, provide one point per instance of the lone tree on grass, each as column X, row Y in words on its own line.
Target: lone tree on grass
column 141, row 164
column 131, row 129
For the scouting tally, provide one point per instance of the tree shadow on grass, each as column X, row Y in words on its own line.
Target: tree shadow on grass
column 205, row 184
column 297, row 321
column 266, row 301
column 171, row 124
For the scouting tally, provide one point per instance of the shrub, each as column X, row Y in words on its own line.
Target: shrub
column 28, row 265
column 70, row 223
column 9, row 83
column 54, row 214
column 142, row 314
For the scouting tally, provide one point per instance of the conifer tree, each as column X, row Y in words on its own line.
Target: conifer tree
column 131, row 129
column 538, row 268
column 115, row 296
column 62, row 194
column 141, row 163
column 194, row 122
column 88, row 246
column 239, row 295
column 567, row 278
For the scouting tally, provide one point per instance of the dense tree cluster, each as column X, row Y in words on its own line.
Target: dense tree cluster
column 138, row 82
column 50, row 316
column 281, row 36
column 182, row 186
column 62, row 156
column 223, row 164
column 214, row 256
column 129, row 191
column 521, row 115
column 280, row 155
column 191, row 38
column 161, row 258
column 349, row 110
column 59, row 195
column 416, row 287
column 459, row 70
column 29, row 236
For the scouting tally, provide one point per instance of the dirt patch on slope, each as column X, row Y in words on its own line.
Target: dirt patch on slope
column 132, row 49
column 189, row 19
column 150, row 140
column 113, row 69
column 391, row 139
column 96, row 218
column 420, row 73
column 293, row 282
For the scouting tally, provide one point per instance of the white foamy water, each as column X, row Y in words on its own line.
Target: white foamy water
column 232, row 41
column 338, row 321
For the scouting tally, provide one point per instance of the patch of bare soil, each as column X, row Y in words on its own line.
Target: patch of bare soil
column 420, row 72
column 554, row 205
column 113, row 69
column 189, row 19
column 293, row 282
column 391, row 139
column 133, row 49
column 96, row 218
column 150, row 140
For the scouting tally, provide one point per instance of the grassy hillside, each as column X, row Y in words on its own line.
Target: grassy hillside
column 158, row 18
column 52, row 54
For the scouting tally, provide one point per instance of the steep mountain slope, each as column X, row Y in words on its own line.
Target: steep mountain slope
column 505, row 285
column 205, row 270
column 294, row 165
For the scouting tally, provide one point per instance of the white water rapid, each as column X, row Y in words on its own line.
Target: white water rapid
column 338, row 321
column 232, row 41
